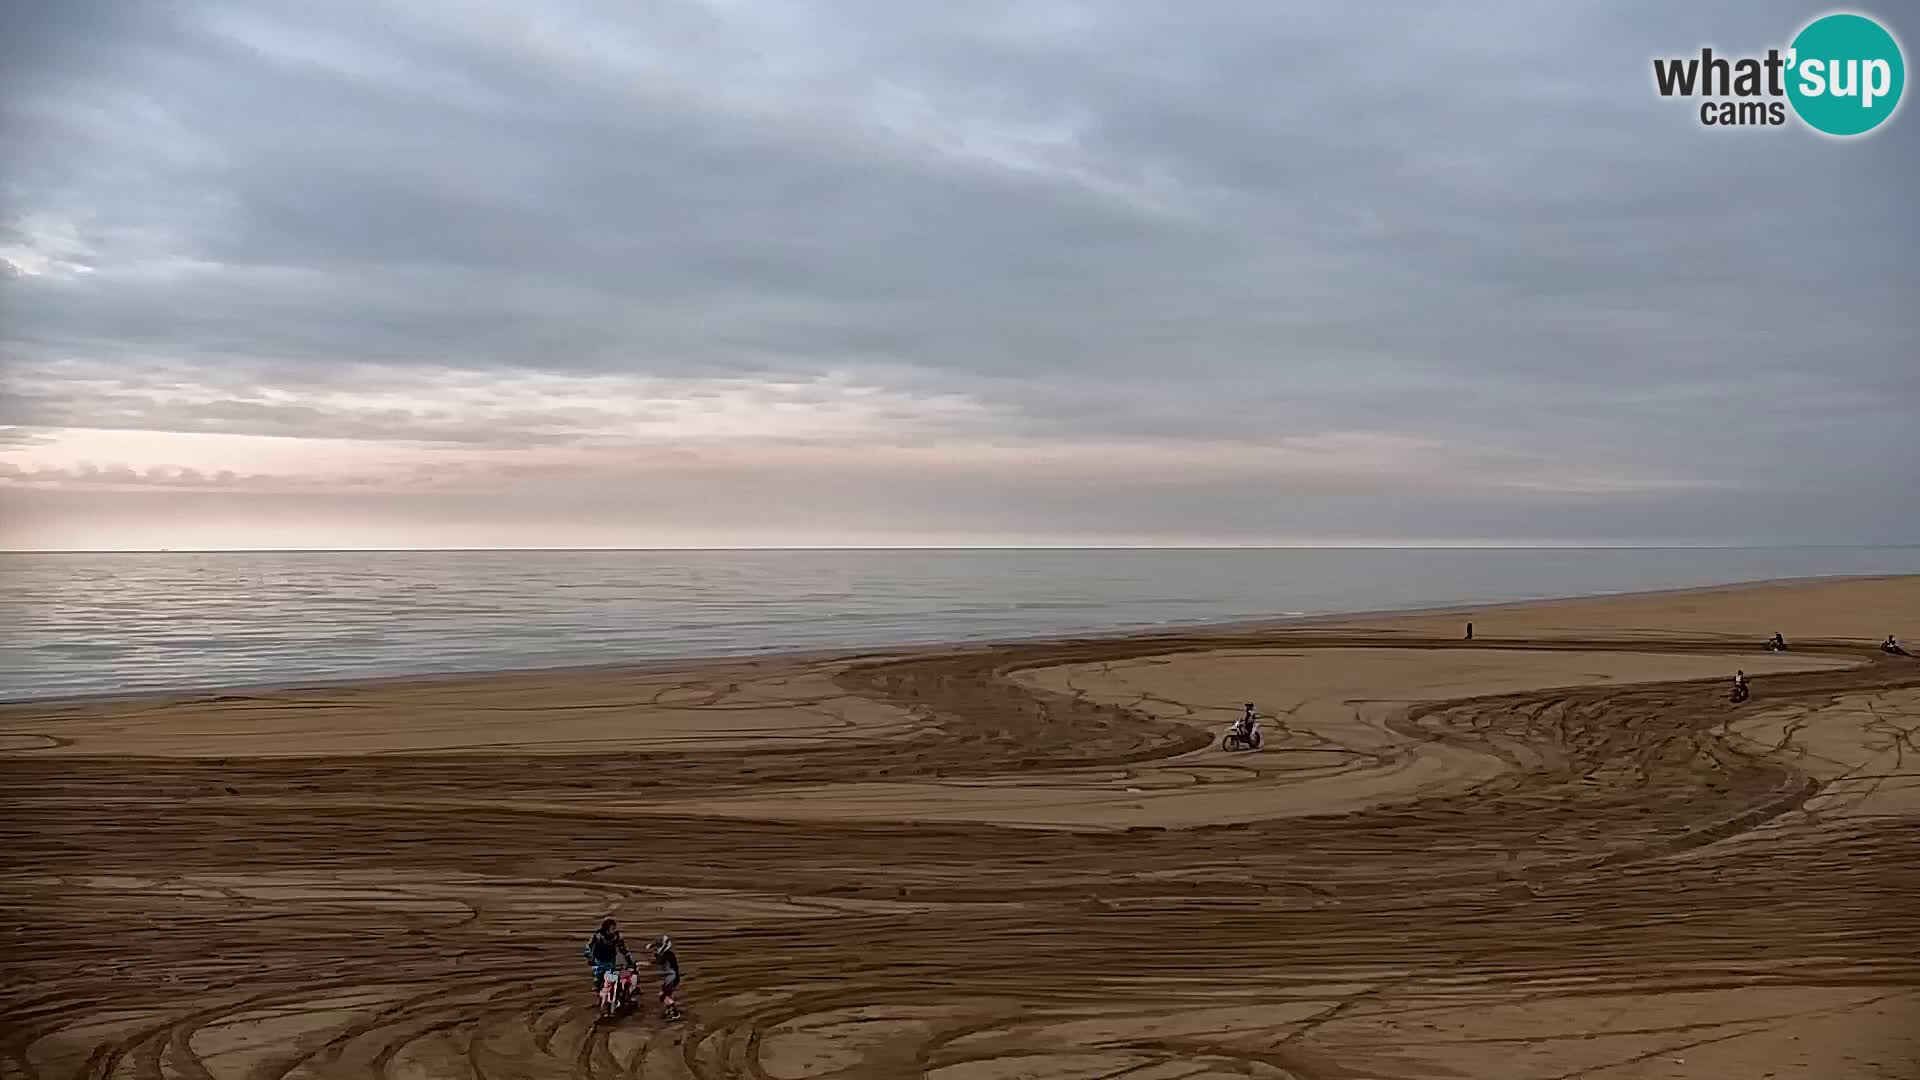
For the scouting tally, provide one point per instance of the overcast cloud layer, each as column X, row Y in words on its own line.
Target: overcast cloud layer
column 416, row 272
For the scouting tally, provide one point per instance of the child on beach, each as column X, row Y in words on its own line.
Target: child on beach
column 668, row 965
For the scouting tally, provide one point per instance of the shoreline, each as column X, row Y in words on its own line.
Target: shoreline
column 847, row 655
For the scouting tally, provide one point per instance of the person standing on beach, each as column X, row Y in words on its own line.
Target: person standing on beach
column 668, row 965
column 605, row 949
column 1469, row 631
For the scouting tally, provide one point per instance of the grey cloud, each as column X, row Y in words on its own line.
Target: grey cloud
column 523, row 429
column 20, row 435
column 1476, row 225
column 159, row 476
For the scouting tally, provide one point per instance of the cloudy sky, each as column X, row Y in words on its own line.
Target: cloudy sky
column 616, row 273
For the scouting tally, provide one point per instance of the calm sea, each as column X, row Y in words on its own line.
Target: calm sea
column 93, row 623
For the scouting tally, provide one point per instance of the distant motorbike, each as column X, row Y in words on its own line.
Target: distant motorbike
column 618, row 989
column 1237, row 739
column 1776, row 645
column 1739, row 694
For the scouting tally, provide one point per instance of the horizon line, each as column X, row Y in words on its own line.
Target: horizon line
column 1409, row 546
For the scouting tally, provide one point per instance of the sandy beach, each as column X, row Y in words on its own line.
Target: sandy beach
column 1554, row 851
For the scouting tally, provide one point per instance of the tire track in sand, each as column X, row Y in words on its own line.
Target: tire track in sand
column 1552, row 882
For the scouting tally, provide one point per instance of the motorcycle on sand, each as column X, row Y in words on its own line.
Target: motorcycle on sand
column 618, row 991
column 1243, row 735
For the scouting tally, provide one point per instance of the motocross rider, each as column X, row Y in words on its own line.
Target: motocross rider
column 668, row 965
column 605, row 949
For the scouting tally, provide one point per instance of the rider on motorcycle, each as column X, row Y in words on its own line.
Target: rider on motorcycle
column 1740, row 682
column 605, row 949
column 1777, row 643
column 1245, row 732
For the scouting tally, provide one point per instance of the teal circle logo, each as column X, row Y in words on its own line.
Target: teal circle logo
column 1845, row 74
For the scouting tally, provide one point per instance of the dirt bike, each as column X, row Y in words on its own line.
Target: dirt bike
column 1739, row 694
column 1235, row 739
column 618, row 989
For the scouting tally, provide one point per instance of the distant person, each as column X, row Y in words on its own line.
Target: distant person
column 1243, row 727
column 668, row 964
column 1739, row 686
column 605, row 949
column 1469, row 631
column 1892, row 646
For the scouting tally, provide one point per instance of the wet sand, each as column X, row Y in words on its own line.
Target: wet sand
column 1556, row 851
